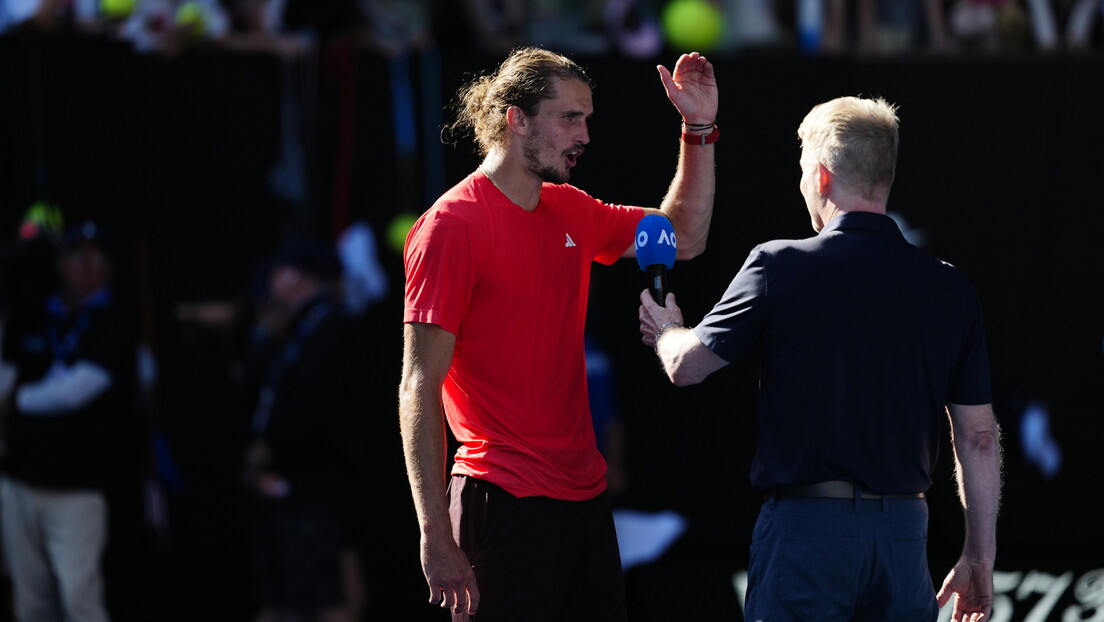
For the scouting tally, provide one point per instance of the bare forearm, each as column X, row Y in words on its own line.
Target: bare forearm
column 977, row 450
column 979, row 490
column 422, row 427
column 692, row 88
column 685, row 359
column 689, row 200
column 426, row 358
column 427, row 355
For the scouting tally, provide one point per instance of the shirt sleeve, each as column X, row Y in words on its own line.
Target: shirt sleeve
column 731, row 328
column 972, row 384
column 441, row 270
column 65, row 389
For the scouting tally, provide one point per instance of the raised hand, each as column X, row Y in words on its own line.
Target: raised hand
column 692, row 88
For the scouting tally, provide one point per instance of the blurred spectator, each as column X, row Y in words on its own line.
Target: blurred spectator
column 299, row 463
column 1085, row 17
column 751, row 25
column 169, row 26
column 1043, row 25
column 268, row 25
column 324, row 21
column 364, row 281
column 633, row 28
column 883, row 27
column 573, row 26
column 71, row 416
column 988, row 26
column 397, row 26
column 47, row 15
column 496, row 26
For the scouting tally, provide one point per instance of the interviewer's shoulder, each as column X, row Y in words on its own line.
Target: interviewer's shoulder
column 953, row 278
column 784, row 247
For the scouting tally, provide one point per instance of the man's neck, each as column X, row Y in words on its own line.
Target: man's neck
column 513, row 179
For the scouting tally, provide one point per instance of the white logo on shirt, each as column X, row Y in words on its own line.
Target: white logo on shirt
column 569, row 242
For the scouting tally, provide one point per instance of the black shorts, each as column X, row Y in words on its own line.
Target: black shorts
column 538, row 559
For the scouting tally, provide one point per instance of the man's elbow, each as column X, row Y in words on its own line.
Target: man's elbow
column 681, row 377
column 408, row 399
column 686, row 252
column 985, row 441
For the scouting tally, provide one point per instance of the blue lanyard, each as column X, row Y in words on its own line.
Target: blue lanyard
column 64, row 345
column 291, row 352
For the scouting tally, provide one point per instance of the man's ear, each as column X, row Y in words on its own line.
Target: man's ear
column 824, row 180
column 517, row 121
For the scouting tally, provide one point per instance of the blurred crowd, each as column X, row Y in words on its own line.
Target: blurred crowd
column 88, row 474
column 634, row 28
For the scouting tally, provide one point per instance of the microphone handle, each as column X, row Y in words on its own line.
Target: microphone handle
column 657, row 275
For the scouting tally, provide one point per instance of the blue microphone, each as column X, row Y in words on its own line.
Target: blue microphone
column 655, row 252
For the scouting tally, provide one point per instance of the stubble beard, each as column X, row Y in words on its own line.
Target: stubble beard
column 547, row 173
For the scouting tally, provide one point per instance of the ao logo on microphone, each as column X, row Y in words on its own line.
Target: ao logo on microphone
column 666, row 238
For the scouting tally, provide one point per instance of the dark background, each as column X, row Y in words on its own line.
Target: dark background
column 1000, row 167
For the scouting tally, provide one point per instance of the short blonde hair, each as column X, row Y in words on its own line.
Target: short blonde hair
column 856, row 139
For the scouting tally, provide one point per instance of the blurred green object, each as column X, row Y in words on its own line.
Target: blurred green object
column 190, row 14
column 398, row 229
column 41, row 219
column 691, row 25
column 117, row 9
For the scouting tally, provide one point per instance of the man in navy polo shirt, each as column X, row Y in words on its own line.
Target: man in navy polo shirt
column 866, row 342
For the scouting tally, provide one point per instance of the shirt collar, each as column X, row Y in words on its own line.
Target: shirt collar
column 863, row 221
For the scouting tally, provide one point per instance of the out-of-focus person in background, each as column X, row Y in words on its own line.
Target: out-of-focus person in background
column 71, row 409
column 298, row 464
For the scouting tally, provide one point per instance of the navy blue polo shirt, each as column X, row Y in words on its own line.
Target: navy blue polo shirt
column 864, row 339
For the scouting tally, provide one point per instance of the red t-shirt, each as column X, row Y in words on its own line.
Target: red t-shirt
column 512, row 286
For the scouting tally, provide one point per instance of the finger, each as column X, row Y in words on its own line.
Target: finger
column 685, row 61
column 707, row 68
column 669, row 302
column 668, row 81
column 941, row 597
column 944, row 593
column 690, row 63
column 473, row 598
column 449, row 599
column 958, row 613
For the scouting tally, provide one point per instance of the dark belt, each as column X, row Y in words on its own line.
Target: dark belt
column 834, row 489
